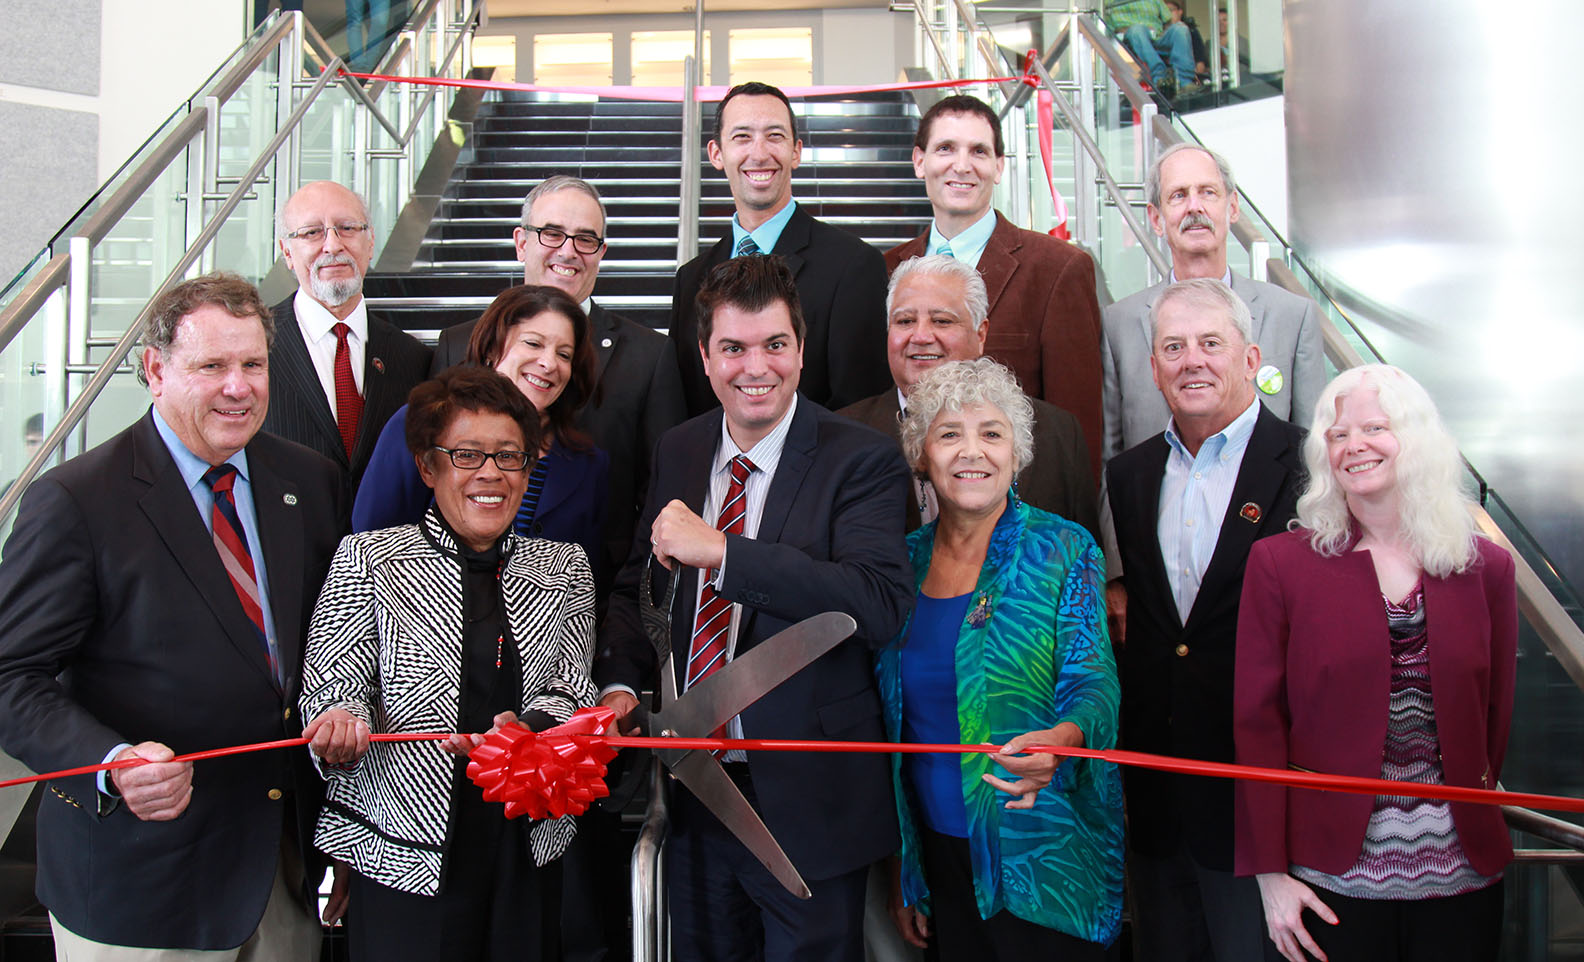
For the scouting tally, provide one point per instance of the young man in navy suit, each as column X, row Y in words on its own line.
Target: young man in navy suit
column 817, row 502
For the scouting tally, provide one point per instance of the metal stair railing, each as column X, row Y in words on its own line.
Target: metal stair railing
column 61, row 295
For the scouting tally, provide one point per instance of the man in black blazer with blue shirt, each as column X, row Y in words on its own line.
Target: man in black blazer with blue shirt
column 122, row 635
column 822, row 530
column 841, row 281
column 327, row 241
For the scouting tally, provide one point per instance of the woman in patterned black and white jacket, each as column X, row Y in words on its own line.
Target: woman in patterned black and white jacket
column 452, row 624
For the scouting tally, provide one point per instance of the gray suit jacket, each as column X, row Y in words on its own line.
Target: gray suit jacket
column 1286, row 328
column 1057, row 480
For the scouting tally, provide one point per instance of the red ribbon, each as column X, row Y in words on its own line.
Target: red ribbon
column 561, row 770
column 674, row 94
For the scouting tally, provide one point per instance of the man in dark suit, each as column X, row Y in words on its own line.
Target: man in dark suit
column 1044, row 314
column 1188, row 504
column 771, row 510
column 935, row 310
column 639, row 396
column 154, row 596
column 840, row 279
column 337, row 373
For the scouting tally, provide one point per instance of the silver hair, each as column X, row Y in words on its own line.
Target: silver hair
column 280, row 212
column 1209, row 294
column 955, row 385
column 942, row 265
column 1152, row 179
column 1432, row 497
column 554, row 184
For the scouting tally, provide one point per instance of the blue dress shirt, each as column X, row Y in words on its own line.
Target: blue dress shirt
column 765, row 235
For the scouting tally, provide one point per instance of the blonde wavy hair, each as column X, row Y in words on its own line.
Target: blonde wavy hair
column 1432, row 498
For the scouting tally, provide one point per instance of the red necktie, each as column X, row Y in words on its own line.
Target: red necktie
column 231, row 543
column 349, row 403
column 712, row 625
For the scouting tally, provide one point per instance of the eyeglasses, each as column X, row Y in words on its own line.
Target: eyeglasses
column 315, row 234
column 555, row 237
column 470, row 458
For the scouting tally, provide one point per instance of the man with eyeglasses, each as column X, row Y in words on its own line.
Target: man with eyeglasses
column 336, row 373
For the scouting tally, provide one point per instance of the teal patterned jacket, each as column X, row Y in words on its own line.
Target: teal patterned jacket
column 1033, row 651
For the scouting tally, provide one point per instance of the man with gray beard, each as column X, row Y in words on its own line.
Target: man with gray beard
column 336, row 373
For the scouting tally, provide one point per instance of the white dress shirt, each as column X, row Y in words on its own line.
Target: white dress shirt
column 317, row 325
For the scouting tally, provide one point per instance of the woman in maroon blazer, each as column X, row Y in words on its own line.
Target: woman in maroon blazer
column 1378, row 639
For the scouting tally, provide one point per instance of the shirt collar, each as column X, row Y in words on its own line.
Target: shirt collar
column 767, row 234
column 1232, row 437
column 191, row 466
column 316, row 320
column 970, row 242
column 1225, row 278
column 767, row 452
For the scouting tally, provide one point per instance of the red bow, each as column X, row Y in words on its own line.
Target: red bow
column 548, row 774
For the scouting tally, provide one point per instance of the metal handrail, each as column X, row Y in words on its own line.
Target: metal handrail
column 1101, row 43
column 651, row 942
column 31, row 299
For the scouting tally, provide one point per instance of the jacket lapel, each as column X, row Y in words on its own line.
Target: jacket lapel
column 606, row 333
column 297, row 374
column 1000, row 261
column 168, row 504
column 1145, row 500
column 381, row 394
column 1250, row 293
column 794, row 238
column 280, row 523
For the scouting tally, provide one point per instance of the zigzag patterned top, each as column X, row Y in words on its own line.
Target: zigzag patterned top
column 1033, row 651
column 1411, row 848
column 386, row 645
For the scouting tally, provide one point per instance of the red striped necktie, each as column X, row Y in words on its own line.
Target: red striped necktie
column 231, row 543
column 712, row 624
column 349, row 403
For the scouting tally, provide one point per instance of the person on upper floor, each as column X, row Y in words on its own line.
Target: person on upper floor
column 936, row 307
column 1162, row 45
column 840, row 279
column 1193, row 205
column 637, row 394
column 1044, row 314
column 337, row 373
column 1188, row 503
column 538, row 338
column 1378, row 639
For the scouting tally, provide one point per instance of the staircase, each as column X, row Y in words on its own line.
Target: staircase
column 856, row 174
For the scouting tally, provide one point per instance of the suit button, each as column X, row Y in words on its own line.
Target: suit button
column 286, row 714
column 274, row 794
column 1182, row 651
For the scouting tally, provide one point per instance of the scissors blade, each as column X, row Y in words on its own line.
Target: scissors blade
column 709, row 783
column 723, row 695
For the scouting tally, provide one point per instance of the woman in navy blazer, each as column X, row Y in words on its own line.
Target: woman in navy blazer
column 1377, row 639
column 538, row 337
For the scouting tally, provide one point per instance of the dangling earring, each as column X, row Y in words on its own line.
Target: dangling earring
column 919, row 481
column 1014, row 491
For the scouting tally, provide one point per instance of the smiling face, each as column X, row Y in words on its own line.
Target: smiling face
column 929, row 325
column 572, row 212
column 960, row 169
column 753, row 360
column 1203, row 367
column 969, row 460
column 1195, row 212
column 537, row 357
column 758, row 153
column 1361, row 447
column 212, row 386
column 331, row 269
column 481, row 503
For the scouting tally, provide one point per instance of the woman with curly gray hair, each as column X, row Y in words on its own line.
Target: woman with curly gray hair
column 1377, row 639
column 1006, row 644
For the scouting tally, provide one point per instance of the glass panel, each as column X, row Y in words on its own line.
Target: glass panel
column 28, row 393
column 500, row 53
column 247, row 123
column 657, row 56
column 573, row 59
column 29, row 271
column 783, row 56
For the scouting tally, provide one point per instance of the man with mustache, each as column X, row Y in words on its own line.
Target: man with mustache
column 1189, row 503
column 336, row 373
column 1193, row 204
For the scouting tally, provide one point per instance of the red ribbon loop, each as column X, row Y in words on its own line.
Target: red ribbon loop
column 548, row 774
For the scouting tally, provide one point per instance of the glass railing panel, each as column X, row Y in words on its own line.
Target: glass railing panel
column 1543, row 919
column 326, row 137
column 248, row 121
column 30, row 270
column 139, row 251
column 30, row 396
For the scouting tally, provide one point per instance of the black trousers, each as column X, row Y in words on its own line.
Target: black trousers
column 1458, row 928
column 960, row 935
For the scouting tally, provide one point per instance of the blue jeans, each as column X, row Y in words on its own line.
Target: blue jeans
column 1174, row 43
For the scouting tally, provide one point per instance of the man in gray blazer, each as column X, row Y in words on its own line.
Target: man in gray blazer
column 936, row 311
column 1192, row 204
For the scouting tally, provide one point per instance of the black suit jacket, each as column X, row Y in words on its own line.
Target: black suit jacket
column 638, row 399
column 1177, row 678
column 1058, row 480
column 841, row 283
column 118, row 624
column 830, row 540
column 393, row 365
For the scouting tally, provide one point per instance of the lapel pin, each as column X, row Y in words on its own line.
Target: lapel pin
column 606, row 342
column 981, row 611
column 1250, row 513
column 1269, row 379
column 289, row 498
column 379, row 366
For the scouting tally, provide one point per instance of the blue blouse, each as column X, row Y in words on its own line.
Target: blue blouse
column 929, row 711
